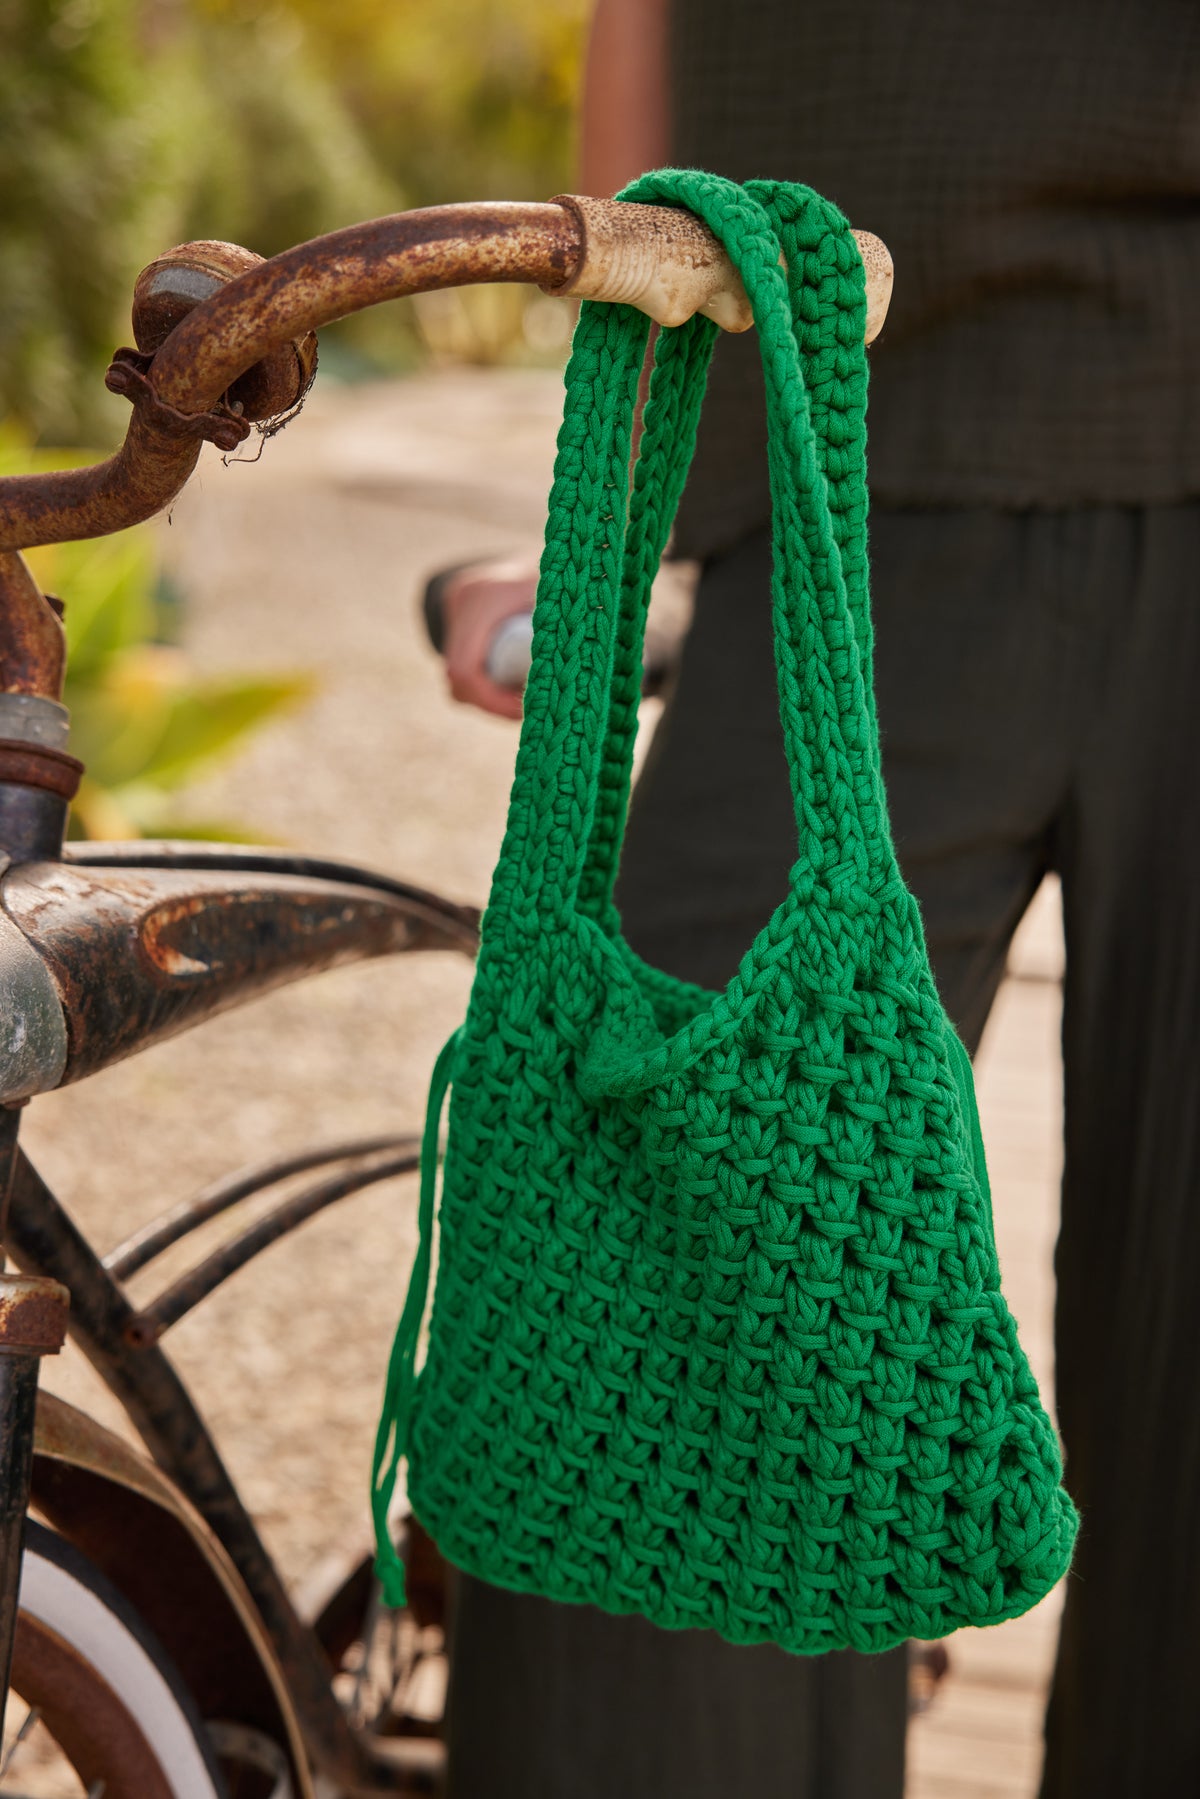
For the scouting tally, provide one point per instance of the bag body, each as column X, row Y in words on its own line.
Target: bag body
column 718, row 1334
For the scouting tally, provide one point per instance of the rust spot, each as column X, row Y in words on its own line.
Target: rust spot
column 33, row 647
column 33, row 1313
column 162, row 929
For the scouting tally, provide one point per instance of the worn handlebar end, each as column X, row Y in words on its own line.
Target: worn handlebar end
column 659, row 259
column 880, row 273
column 169, row 287
column 669, row 265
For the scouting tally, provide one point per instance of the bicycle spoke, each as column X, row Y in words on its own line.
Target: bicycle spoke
column 24, row 1736
column 31, row 1718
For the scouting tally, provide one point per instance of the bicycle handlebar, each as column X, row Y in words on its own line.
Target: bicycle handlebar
column 235, row 313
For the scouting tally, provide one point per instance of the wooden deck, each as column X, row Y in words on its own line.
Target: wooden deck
column 981, row 1739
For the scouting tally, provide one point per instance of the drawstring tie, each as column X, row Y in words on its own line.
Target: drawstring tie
column 391, row 1439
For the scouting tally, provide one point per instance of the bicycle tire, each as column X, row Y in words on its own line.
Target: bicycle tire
column 103, row 1685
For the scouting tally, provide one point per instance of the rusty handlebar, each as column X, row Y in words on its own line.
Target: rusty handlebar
column 224, row 338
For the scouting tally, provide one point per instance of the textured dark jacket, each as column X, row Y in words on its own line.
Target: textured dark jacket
column 1034, row 166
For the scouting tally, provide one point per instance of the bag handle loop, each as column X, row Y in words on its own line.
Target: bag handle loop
column 602, row 547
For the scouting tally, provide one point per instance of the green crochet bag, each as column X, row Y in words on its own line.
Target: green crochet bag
column 718, row 1334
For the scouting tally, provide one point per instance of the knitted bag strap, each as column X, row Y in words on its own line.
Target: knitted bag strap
column 603, row 544
column 827, row 297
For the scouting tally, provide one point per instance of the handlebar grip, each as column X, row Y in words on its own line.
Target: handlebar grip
column 666, row 263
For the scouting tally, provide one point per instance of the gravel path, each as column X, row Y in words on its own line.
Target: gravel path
column 313, row 558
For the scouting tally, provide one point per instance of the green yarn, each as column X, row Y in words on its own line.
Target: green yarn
column 391, row 1438
column 718, row 1334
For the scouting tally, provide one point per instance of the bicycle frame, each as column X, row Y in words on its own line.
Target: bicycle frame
column 110, row 948
column 98, row 919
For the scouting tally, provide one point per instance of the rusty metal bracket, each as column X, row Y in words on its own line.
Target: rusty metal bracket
column 33, row 1315
column 130, row 374
column 140, row 954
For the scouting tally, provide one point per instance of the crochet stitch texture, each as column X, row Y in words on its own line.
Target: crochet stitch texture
column 718, row 1334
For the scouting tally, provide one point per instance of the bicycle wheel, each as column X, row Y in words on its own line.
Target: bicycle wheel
column 99, row 1710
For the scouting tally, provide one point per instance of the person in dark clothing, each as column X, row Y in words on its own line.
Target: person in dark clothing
column 1034, row 463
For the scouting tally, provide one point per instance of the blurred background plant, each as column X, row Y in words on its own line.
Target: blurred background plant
column 129, row 125
column 143, row 722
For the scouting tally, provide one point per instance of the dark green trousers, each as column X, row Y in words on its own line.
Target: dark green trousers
column 1038, row 678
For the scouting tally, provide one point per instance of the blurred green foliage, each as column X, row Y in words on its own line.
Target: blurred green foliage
column 460, row 100
column 142, row 720
column 127, row 126
column 130, row 125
